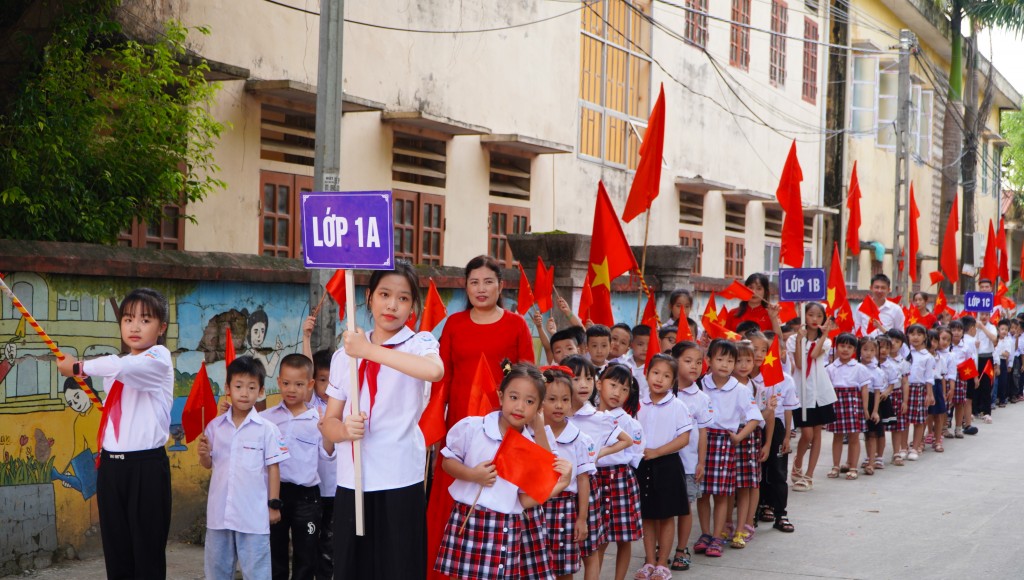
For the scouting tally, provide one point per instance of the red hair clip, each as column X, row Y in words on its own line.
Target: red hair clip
column 560, row 368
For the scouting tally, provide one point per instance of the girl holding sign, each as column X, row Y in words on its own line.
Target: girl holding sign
column 393, row 363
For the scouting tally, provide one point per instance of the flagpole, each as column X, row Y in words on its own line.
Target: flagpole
column 316, row 310
column 353, row 397
column 643, row 264
column 803, row 382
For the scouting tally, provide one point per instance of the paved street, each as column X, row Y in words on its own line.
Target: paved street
column 954, row 515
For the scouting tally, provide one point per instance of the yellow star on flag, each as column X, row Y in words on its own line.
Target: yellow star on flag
column 711, row 315
column 841, row 315
column 770, row 359
column 831, row 296
column 601, row 275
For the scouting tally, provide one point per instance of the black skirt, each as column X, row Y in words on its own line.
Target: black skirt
column 871, row 427
column 662, row 488
column 815, row 416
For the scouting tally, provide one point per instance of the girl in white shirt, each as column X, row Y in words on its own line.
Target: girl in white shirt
column 850, row 380
column 809, row 347
column 922, row 377
column 393, row 364
column 874, row 432
column 945, row 378
column 689, row 359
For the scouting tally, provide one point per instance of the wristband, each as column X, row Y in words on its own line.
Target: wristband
column 77, row 370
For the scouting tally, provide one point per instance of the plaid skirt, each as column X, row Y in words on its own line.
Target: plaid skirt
column 595, row 521
column 489, row 547
column 563, row 551
column 849, row 411
column 900, row 424
column 748, row 468
column 720, row 465
column 534, row 563
column 916, row 407
column 621, row 503
column 959, row 392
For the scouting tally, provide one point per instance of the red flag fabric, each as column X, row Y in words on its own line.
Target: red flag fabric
column 994, row 319
column 336, row 288
column 411, row 321
column 948, row 261
column 526, row 465
column 229, row 347
column 853, row 210
column 544, row 286
column 835, row 293
column 941, row 304
column 788, row 193
column 967, row 370
column 684, row 332
column 647, row 180
column 525, row 299
column 859, row 333
column 990, row 267
column 710, row 313
column 771, row 368
column 1004, row 258
column 483, row 394
column 987, row 371
column 913, row 316
column 650, row 319
column 610, row 257
column 723, row 316
column 869, row 309
column 914, row 241
column 737, row 291
column 715, row 330
column 200, row 406
column 586, row 300
column 432, row 423
column 434, row 310
column 787, row 311
column 936, row 277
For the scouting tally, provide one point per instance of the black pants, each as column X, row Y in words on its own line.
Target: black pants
column 133, row 495
column 325, row 567
column 774, row 490
column 1003, row 383
column 301, row 517
column 981, row 403
column 1016, row 382
column 394, row 544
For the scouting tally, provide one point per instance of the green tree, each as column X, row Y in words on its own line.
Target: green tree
column 1013, row 155
column 104, row 130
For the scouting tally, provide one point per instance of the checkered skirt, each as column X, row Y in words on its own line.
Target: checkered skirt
column 916, row 409
column 621, row 503
column 959, row 392
column 595, row 521
column 489, row 547
column 900, row 424
column 849, row 411
column 534, row 563
column 748, row 468
column 720, row 466
column 563, row 551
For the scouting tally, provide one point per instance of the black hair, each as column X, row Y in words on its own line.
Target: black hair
column 744, row 348
column 556, row 376
column 246, row 365
column 923, row 295
column 682, row 346
column 257, row 316
column 953, row 324
column 565, row 334
column 664, row 331
column 945, row 329
column 930, row 335
column 580, row 366
column 623, row 326
column 766, row 285
column 488, row 262
column 746, row 326
column 788, row 327
column 917, row 328
column 641, row 330
column 883, row 339
column 693, row 326
column 720, row 346
column 580, row 333
column 71, row 384
column 298, row 361
column 768, row 335
column 150, row 303
column 896, row 334
column 522, row 371
column 969, row 322
column 984, row 281
column 881, row 278
column 599, row 330
column 322, row 360
column 756, row 334
column 824, row 315
column 621, row 374
column 846, row 338
column 1004, row 322
column 675, row 295
column 866, row 340
column 667, row 359
column 403, row 269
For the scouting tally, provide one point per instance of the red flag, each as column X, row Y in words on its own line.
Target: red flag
column 967, row 370
column 544, row 286
column 200, row 406
column 434, row 310
column 913, row 316
column 684, row 332
column 647, row 180
column 859, row 333
column 737, row 291
column 411, row 321
column 771, row 368
column 229, row 347
column 869, row 309
column 835, row 293
column 1004, row 258
column 788, row 194
column 723, row 316
column 525, row 299
column 787, row 312
column 853, row 210
column 914, row 242
column 483, row 394
column 895, row 300
column 650, row 319
column 610, row 257
column 586, row 301
column 949, row 262
column 432, row 423
column 336, row 288
column 941, row 304
column 994, row 319
column 526, row 465
column 710, row 313
column 936, row 277
column 715, row 330
column 987, row 371
column 990, row 267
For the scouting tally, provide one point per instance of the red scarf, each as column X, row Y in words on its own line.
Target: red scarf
column 112, row 411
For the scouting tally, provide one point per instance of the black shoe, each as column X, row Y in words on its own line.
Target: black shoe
column 972, row 430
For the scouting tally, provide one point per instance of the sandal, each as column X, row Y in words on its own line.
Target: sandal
column 681, row 562
column 782, row 524
column 868, row 470
column 767, row 514
column 852, row 475
column 938, row 447
column 702, row 543
column 834, row 472
column 897, row 460
column 738, row 542
column 748, row 533
column 879, row 464
column 644, row 573
column 805, row 484
column 715, row 548
column 796, row 474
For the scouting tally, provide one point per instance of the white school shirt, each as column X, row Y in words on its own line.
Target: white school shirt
column 732, row 406
column 237, row 499
column 812, row 383
column 941, row 364
column 971, row 344
column 326, row 467
column 699, row 405
column 304, row 441
column 890, row 314
column 602, row 429
column 641, row 380
column 577, row 448
column 922, row 367
column 851, row 374
column 626, row 359
column 877, row 375
column 148, row 379
column 1005, row 345
column 663, row 421
column 394, row 453
column 751, row 386
column 635, row 452
column 892, row 372
column 472, row 441
column 985, row 345
column 785, row 392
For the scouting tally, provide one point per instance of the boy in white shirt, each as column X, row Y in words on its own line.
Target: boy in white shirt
column 244, row 450
column 1005, row 351
column 987, row 337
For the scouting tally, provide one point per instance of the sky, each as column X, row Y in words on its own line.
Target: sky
column 1005, row 51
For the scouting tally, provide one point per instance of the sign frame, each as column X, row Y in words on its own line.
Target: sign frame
column 803, row 274
column 317, row 207
column 984, row 296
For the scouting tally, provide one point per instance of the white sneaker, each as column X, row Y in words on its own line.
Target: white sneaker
column 912, row 456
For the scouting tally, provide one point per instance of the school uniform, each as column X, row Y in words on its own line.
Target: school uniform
column 237, row 516
column 848, row 379
column 300, row 493
column 1002, row 392
column 561, row 511
column 748, row 451
column 922, row 375
column 942, row 360
column 895, row 370
column 327, row 469
column 662, row 479
column 133, row 469
column 982, row 402
column 620, row 494
column 393, row 466
column 774, row 489
column 876, row 391
column 1018, row 383
column 813, row 385
column 604, row 431
column 699, row 406
column 889, row 314
column 731, row 408
column 492, row 539
column 958, row 354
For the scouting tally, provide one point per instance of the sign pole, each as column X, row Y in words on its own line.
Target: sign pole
column 803, row 379
column 353, row 395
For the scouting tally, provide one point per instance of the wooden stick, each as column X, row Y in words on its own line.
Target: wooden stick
column 462, row 528
column 353, row 396
column 643, row 265
column 320, row 304
column 803, row 382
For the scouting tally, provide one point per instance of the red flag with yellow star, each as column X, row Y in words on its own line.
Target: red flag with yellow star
column 837, row 305
column 987, row 371
column 610, row 257
column 771, row 368
column 941, row 304
column 710, row 313
column 716, row 330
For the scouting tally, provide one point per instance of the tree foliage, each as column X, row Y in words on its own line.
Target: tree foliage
column 1012, row 128
column 105, row 130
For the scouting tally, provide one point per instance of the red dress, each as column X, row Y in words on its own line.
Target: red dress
column 462, row 342
column 757, row 314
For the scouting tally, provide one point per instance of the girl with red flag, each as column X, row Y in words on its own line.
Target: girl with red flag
column 757, row 308
column 808, row 347
column 393, row 362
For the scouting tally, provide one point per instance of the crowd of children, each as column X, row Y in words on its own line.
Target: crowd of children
column 638, row 441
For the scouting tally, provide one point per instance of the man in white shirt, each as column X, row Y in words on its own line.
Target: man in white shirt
column 890, row 315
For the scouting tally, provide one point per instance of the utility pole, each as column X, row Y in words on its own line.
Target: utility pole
column 901, row 220
column 327, row 159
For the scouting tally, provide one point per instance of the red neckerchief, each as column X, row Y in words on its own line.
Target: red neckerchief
column 112, row 411
column 368, row 371
column 807, row 369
